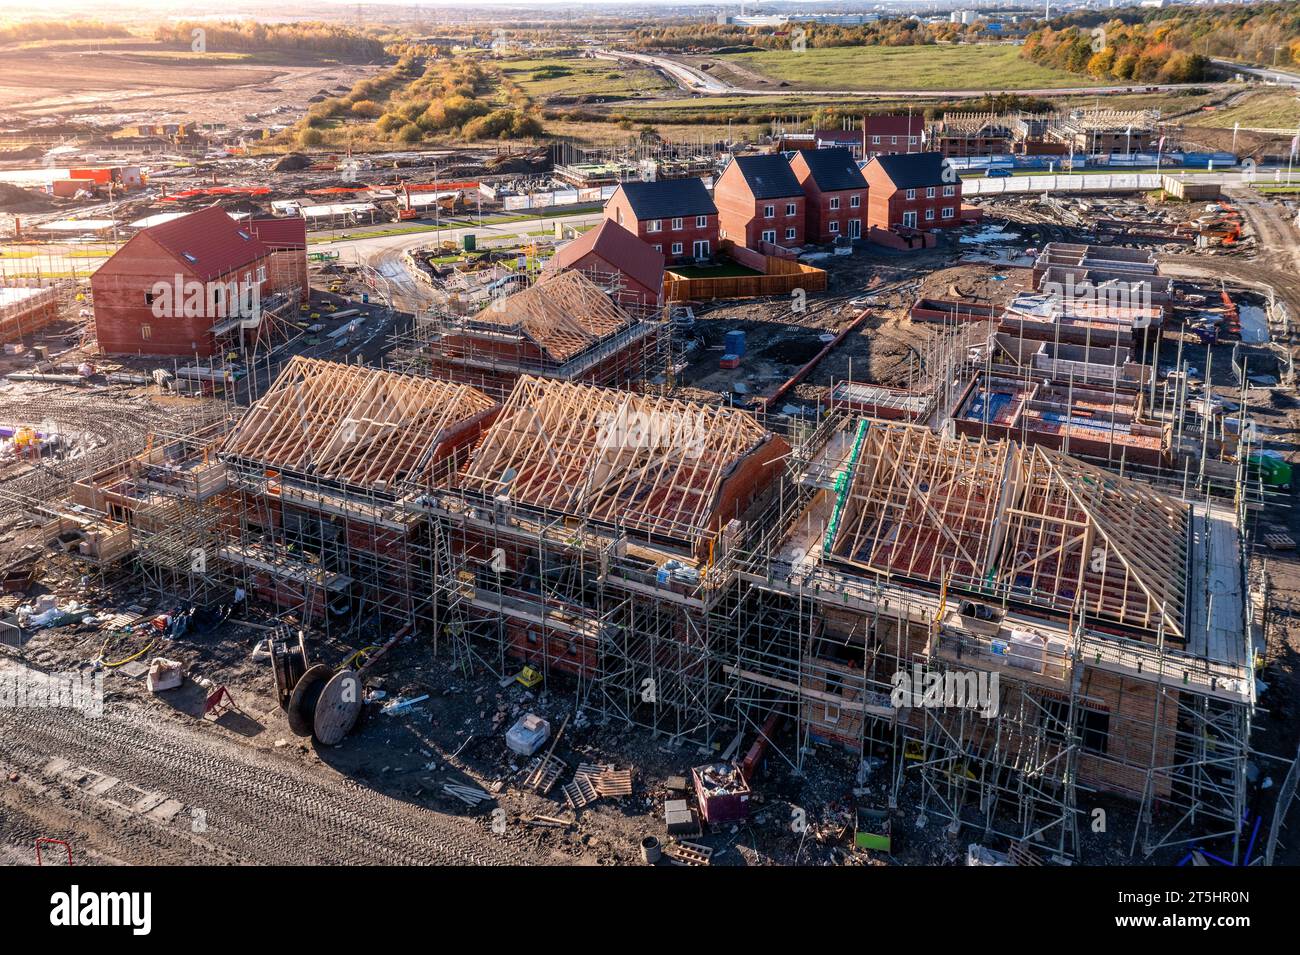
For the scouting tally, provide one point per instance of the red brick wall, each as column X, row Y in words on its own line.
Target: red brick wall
column 667, row 236
column 818, row 213
column 885, row 205
column 741, row 215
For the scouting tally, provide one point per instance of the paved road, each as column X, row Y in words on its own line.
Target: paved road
column 384, row 253
column 1270, row 75
column 694, row 80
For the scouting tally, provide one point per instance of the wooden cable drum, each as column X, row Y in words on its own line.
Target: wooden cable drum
column 302, row 704
column 337, row 708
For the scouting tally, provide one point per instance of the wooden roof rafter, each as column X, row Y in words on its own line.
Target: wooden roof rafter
column 564, row 313
column 349, row 423
column 1029, row 522
column 648, row 463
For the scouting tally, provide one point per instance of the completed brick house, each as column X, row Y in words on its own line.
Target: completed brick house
column 890, row 135
column 835, row 194
column 760, row 201
column 675, row 217
column 910, row 191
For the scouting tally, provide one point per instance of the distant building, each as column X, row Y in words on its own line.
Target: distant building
column 912, row 192
column 970, row 134
column 888, row 135
column 1103, row 132
column 760, row 201
column 835, row 194
column 675, row 217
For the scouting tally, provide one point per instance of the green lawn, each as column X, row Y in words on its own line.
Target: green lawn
column 727, row 270
column 968, row 67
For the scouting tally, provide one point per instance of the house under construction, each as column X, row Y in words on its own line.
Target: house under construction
column 591, row 531
column 568, row 325
column 682, row 567
column 1115, row 618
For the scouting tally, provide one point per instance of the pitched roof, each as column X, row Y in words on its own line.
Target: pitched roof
column 621, row 249
column 895, row 125
column 768, row 176
column 1011, row 521
column 833, row 169
column 912, row 170
column 564, row 313
column 209, row 242
column 351, row 424
column 281, row 232
column 668, row 199
column 575, row 449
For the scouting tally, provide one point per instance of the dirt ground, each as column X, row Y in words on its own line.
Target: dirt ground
column 130, row 85
column 152, row 780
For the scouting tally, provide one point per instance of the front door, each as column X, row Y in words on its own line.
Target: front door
column 909, row 219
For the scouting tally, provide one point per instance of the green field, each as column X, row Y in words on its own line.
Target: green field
column 1265, row 109
column 575, row 76
column 995, row 68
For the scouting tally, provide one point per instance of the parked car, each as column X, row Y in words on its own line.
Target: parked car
column 997, row 174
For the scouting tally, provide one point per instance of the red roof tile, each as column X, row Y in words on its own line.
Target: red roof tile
column 620, row 248
column 209, row 242
column 281, row 232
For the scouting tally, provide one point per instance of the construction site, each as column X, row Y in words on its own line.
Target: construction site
column 949, row 549
column 523, row 497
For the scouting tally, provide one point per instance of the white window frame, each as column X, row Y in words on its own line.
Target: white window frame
column 677, row 224
column 659, row 249
column 835, row 202
column 947, row 213
column 767, row 235
column 875, row 140
column 833, row 227
column 855, row 201
column 655, row 225
column 789, row 233
column 701, row 222
column 791, row 209
column 950, row 190
column 929, row 215
column 677, row 248
column 698, row 252
column 769, row 212
column 910, row 194
column 261, row 273
column 929, row 192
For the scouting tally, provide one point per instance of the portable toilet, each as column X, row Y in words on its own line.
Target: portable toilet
column 735, row 343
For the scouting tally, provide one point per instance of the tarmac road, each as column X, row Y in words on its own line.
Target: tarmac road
column 384, row 253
